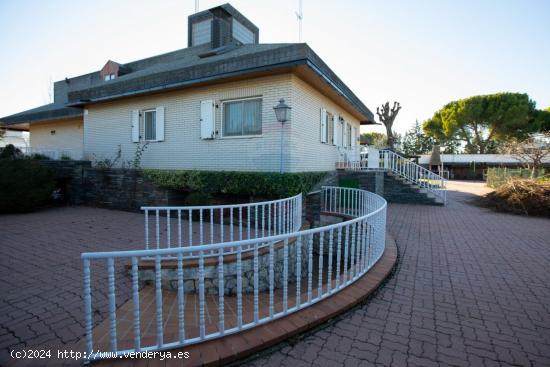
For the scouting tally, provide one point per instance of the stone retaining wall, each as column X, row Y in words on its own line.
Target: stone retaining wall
column 191, row 276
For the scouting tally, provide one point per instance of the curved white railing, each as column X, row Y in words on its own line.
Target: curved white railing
column 181, row 226
column 301, row 268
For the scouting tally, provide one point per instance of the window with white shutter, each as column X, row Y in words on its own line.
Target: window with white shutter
column 348, row 135
column 242, row 117
column 330, row 128
column 323, row 125
column 150, row 125
column 336, row 130
column 344, row 134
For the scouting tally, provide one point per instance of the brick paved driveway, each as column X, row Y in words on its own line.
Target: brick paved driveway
column 41, row 272
column 472, row 288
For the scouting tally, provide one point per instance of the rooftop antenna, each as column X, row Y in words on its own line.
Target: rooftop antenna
column 300, row 16
column 196, row 6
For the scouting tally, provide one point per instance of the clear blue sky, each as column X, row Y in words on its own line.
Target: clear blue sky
column 420, row 53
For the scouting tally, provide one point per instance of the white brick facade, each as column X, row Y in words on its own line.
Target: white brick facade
column 62, row 134
column 106, row 125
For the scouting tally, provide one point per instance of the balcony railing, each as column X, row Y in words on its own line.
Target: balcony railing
column 289, row 270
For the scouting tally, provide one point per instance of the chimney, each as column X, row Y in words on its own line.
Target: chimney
column 220, row 26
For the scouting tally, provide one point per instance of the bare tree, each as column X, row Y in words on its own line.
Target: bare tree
column 387, row 116
column 531, row 151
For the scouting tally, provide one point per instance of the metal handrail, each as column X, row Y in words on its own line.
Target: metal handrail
column 356, row 244
column 220, row 223
column 414, row 173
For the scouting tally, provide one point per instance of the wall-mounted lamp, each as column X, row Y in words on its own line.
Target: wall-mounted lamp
column 282, row 113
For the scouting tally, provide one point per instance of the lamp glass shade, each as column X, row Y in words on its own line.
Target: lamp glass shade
column 282, row 111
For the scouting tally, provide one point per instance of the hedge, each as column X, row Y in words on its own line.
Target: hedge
column 265, row 184
column 25, row 185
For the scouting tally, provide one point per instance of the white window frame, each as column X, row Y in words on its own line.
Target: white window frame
column 143, row 112
column 109, row 77
column 223, row 136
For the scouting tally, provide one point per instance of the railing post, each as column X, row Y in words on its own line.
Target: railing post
column 88, row 306
column 202, row 305
column 320, row 280
column 146, row 229
column 221, row 293
column 271, row 279
column 135, row 300
column 298, row 259
column 158, row 297
column 112, row 303
column 181, row 300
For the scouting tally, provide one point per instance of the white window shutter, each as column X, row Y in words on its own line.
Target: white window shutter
column 323, row 125
column 207, row 119
column 135, row 126
column 345, row 134
column 335, row 124
column 354, row 137
column 159, row 122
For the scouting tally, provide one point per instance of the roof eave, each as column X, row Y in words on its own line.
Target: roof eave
column 187, row 83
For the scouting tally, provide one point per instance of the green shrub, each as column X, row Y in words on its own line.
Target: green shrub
column 265, row 184
column 10, row 152
column 198, row 199
column 40, row 157
column 24, row 185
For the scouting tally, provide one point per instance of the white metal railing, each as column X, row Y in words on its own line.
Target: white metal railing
column 388, row 160
column 414, row 173
column 54, row 153
column 175, row 226
column 343, row 253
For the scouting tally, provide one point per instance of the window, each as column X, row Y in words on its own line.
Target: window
column 109, row 77
column 348, row 135
column 241, row 118
column 150, row 124
column 201, row 32
column 342, row 127
column 241, row 33
column 330, row 128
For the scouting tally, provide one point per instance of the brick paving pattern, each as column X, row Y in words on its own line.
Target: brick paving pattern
column 41, row 272
column 471, row 288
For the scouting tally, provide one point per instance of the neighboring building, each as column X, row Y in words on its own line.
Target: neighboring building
column 473, row 166
column 19, row 139
column 208, row 106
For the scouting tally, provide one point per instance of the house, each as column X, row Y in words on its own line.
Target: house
column 19, row 139
column 208, row 106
